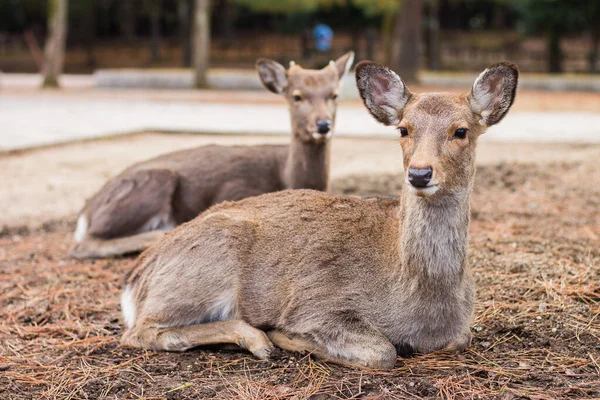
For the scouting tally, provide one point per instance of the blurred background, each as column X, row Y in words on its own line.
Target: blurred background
column 541, row 36
column 131, row 68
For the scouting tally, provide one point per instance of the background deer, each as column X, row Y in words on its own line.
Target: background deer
column 350, row 280
column 133, row 210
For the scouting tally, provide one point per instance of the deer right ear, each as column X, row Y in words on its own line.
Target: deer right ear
column 382, row 91
column 493, row 92
column 272, row 75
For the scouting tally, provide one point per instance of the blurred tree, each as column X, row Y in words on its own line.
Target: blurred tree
column 127, row 19
column 288, row 6
column 387, row 10
column 201, row 42
column 82, row 22
column 555, row 19
column 377, row 7
column 154, row 9
column 405, row 48
column 186, row 18
column 592, row 15
column 402, row 34
column 54, row 51
column 18, row 15
column 299, row 17
column 594, row 52
column 226, row 14
column 434, row 51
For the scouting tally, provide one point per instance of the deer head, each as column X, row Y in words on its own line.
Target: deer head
column 311, row 94
column 438, row 131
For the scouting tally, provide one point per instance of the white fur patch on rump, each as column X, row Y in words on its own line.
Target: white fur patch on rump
column 81, row 230
column 128, row 306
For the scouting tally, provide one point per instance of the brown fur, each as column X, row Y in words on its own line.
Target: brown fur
column 158, row 194
column 353, row 281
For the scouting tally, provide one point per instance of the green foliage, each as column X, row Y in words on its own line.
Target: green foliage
column 566, row 16
column 555, row 18
column 377, row 7
column 301, row 8
column 287, row 6
column 16, row 15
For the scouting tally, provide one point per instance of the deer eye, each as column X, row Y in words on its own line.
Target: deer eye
column 334, row 97
column 297, row 97
column 460, row 133
column 403, row 131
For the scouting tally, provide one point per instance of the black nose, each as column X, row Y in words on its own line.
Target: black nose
column 323, row 126
column 420, row 177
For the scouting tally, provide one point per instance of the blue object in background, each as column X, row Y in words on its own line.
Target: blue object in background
column 323, row 36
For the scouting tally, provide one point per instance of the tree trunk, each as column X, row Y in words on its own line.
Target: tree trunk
column 406, row 41
column 54, row 52
column 89, row 35
column 387, row 31
column 433, row 40
column 187, row 21
column 305, row 45
column 227, row 22
column 371, row 39
column 594, row 68
column 155, row 28
column 201, row 42
column 127, row 20
column 355, row 36
column 554, row 53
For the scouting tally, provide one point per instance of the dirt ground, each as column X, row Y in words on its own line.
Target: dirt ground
column 52, row 183
column 534, row 248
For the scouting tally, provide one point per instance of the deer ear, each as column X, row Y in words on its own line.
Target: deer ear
column 272, row 75
column 343, row 64
column 382, row 91
column 494, row 92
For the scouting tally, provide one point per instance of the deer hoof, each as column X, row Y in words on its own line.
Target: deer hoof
column 77, row 252
column 460, row 343
column 264, row 353
column 258, row 344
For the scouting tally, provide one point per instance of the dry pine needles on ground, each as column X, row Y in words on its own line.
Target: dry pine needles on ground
column 534, row 248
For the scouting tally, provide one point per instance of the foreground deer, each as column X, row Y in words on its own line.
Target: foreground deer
column 350, row 280
column 133, row 210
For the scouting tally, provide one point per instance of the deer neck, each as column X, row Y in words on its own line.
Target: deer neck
column 307, row 165
column 433, row 237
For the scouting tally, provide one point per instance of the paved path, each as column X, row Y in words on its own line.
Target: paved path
column 247, row 79
column 33, row 120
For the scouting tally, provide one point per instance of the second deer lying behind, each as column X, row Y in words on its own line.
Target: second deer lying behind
column 132, row 210
column 349, row 280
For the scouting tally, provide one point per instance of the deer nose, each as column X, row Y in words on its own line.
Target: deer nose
column 323, row 126
column 420, row 177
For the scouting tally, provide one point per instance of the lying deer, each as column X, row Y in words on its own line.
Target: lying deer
column 351, row 280
column 133, row 210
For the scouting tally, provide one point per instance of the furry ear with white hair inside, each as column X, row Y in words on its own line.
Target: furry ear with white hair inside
column 385, row 95
column 272, row 75
column 343, row 64
column 493, row 92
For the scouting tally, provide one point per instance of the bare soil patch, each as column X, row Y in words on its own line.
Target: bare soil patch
column 534, row 248
column 52, row 183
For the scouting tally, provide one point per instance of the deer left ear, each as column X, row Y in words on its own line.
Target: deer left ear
column 385, row 95
column 493, row 92
column 343, row 64
column 272, row 75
